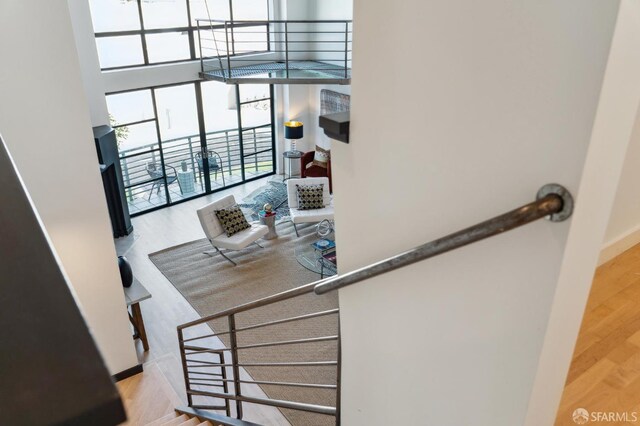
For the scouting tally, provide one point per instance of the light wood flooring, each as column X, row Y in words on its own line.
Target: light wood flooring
column 168, row 309
column 605, row 371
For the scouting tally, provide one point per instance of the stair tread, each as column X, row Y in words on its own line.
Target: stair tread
column 162, row 420
column 207, row 423
column 177, row 421
column 194, row 421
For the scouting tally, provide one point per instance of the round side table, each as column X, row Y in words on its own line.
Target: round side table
column 290, row 155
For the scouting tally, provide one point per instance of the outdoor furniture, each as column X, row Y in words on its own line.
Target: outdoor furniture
column 218, row 237
column 215, row 164
column 308, row 169
column 309, row 216
column 155, row 172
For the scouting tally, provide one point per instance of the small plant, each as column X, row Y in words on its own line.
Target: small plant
column 122, row 132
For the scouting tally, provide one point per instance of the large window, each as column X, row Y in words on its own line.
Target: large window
column 132, row 33
column 181, row 141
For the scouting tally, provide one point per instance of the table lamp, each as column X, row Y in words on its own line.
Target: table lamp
column 293, row 131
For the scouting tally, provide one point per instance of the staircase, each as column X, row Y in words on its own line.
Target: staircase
column 177, row 419
column 186, row 416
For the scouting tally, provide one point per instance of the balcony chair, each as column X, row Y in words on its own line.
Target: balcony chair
column 155, row 172
column 215, row 164
column 308, row 169
column 309, row 216
column 218, row 237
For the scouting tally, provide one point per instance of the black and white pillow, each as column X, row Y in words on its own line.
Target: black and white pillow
column 232, row 220
column 310, row 196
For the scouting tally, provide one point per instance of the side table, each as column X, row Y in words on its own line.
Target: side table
column 134, row 295
column 290, row 155
column 270, row 221
column 187, row 181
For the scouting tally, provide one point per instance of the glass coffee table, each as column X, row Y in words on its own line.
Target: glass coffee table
column 318, row 258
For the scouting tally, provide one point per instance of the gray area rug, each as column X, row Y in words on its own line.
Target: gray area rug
column 211, row 284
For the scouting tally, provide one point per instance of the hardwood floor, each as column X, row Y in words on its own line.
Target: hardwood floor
column 167, row 309
column 605, row 371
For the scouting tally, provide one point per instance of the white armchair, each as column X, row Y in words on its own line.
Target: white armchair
column 216, row 234
column 309, row 216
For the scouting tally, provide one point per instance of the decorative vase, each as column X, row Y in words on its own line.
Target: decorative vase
column 126, row 274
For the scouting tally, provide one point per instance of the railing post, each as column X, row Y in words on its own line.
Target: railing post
column 193, row 163
column 286, row 47
column 346, row 49
column 226, row 135
column 226, row 34
column 255, row 147
column 185, row 370
column 124, row 165
column 338, row 374
column 225, row 384
column 234, row 362
column 200, row 47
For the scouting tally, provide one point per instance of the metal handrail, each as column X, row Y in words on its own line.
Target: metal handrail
column 552, row 200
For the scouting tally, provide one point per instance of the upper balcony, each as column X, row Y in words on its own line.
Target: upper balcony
column 275, row 51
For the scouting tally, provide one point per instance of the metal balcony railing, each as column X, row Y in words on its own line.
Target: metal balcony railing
column 276, row 51
column 256, row 149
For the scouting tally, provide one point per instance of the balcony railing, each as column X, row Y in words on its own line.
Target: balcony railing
column 255, row 154
column 287, row 52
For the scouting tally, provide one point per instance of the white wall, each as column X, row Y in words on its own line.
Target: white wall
column 45, row 121
column 89, row 63
column 500, row 99
column 623, row 231
column 610, row 137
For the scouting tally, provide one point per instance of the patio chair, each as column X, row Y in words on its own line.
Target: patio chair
column 218, row 237
column 155, row 172
column 309, row 216
column 215, row 164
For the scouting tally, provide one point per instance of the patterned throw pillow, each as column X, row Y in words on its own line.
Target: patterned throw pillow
column 310, row 196
column 232, row 220
column 321, row 157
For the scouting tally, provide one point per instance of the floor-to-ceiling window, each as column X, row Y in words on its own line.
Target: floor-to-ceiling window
column 182, row 140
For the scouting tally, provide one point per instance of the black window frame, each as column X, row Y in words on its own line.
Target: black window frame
column 191, row 31
column 203, row 137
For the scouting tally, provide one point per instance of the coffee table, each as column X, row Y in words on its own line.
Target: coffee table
column 315, row 261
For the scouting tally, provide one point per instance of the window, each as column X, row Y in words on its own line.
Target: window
column 132, row 33
column 162, row 147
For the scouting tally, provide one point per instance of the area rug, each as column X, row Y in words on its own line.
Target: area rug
column 211, row 284
column 274, row 193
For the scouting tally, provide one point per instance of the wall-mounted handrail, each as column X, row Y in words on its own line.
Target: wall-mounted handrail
column 552, row 200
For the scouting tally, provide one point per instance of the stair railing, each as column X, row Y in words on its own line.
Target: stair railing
column 552, row 201
column 201, row 373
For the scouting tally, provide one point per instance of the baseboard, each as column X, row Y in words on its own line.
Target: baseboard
column 128, row 373
column 619, row 246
